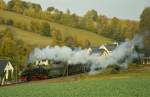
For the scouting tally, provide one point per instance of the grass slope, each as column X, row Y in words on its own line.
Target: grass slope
column 82, row 35
column 136, row 85
column 29, row 37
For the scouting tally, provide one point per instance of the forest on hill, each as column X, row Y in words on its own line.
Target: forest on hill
column 91, row 21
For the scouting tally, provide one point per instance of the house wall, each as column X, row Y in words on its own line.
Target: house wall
column 145, row 60
column 8, row 68
column 42, row 62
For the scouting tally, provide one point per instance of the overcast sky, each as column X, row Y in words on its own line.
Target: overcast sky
column 125, row 9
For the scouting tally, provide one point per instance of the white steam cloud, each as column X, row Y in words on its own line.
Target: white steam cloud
column 123, row 54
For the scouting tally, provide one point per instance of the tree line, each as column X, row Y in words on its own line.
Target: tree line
column 113, row 28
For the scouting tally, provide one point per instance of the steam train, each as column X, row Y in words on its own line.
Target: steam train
column 43, row 71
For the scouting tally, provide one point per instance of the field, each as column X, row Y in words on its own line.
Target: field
column 82, row 35
column 132, row 84
column 29, row 37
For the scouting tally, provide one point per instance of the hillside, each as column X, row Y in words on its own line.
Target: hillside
column 29, row 37
column 82, row 35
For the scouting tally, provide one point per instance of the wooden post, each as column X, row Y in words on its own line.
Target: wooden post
column 67, row 70
column 3, row 81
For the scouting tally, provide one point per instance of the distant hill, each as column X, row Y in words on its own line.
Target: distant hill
column 33, row 38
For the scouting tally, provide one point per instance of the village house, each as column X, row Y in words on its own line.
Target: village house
column 107, row 49
column 103, row 50
column 6, row 72
column 42, row 63
column 145, row 60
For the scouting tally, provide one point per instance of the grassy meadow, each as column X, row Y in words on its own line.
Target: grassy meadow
column 29, row 37
column 131, row 84
column 82, row 35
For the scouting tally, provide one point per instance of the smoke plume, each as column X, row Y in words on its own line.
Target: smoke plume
column 121, row 56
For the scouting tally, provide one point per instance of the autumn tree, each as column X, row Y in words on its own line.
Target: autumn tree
column 35, row 26
column 30, row 11
column 57, row 37
column 91, row 18
column 2, row 5
column 145, row 28
column 9, row 22
column 56, row 16
column 50, row 9
column 13, row 49
column 15, row 5
column 87, row 44
column 45, row 29
column 91, row 15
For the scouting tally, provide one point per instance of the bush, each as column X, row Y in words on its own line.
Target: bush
column 45, row 30
column 2, row 20
column 115, row 69
column 9, row 22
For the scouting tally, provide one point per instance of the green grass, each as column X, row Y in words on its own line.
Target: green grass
column 82, row 35
column 133, row 86
column 95, row 88
column 29, row 37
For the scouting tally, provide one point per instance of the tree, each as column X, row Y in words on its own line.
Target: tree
column 35, row 26
column 145, row 28
column 115, row 29
column 50, row 9
column 18, row 7
column 37, row 7
column 15, row 50
column 91, row 15
column 2, row 5
column 45, row 30
column 145, row 20
column 87, row 44
column 56, row 16
column 69, row 41
column 2, row 20
column 91, row 18
column 72, row 41
column 9, row 22
column 10, row 5
column 30, row 12
column 57, row 37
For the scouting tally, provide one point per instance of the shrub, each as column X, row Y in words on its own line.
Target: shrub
column 115, row 69
column 45, row 30
column 2, row 20
column 9, row 22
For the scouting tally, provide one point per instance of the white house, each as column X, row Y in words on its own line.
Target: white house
column 6, row 71
column 145, row 60
column 89, row 51
column 107, row 49
column 42, row 63
column 103, row 50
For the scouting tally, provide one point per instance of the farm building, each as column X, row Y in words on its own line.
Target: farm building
column 6, row 72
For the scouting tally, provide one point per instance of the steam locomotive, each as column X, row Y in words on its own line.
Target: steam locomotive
column 55, row 69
